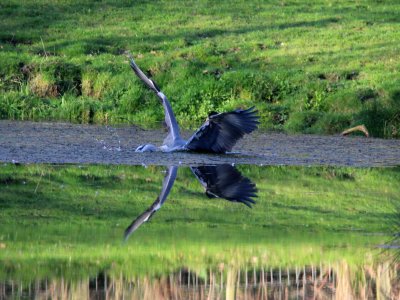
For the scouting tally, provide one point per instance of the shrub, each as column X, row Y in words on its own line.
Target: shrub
column 302, row 121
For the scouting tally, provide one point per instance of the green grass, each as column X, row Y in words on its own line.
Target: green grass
column 316, row 68
column 70, row 220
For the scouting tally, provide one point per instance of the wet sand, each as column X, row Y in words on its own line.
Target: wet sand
column 59, row 143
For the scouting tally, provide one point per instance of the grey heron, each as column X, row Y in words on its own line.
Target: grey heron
column 218, row 134
column 220, row 181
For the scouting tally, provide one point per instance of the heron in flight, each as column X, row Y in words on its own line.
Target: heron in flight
column 218, row 134
column 220, row 181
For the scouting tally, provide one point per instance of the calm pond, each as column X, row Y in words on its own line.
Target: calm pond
column 193, row 232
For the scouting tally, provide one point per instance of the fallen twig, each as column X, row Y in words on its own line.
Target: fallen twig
column 361, row 128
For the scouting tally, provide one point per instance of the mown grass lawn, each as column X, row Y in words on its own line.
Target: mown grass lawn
column 318, row 66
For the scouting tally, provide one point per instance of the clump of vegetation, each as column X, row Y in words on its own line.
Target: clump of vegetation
column 307, row 68
column 42, row 87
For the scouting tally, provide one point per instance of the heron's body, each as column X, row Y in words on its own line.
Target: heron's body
column 218, row 134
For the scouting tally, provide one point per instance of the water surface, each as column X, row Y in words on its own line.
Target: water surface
column 30, row 142
column 313, row 231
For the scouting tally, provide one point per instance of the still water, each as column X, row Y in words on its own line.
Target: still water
column 168, row 232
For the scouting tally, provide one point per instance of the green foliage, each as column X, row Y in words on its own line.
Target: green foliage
column 315, row 63
column 303, row 121
column 381, row 119
column 332, row 123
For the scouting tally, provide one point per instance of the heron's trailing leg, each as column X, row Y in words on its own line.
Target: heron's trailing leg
column 146, row 148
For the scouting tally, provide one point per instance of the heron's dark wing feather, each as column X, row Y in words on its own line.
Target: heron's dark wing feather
column 225, row 181
column 168, row 182
column 221, row 131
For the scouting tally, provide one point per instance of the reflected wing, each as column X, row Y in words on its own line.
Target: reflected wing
column 221, row 131
column 168, row 182
column 170, row 121
column 225, row 181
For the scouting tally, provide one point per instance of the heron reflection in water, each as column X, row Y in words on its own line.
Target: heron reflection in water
column 218, row 134
column 220, row 181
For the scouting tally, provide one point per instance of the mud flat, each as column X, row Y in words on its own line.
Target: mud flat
column 59, row 143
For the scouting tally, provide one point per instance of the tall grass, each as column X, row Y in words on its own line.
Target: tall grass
column 339, row 280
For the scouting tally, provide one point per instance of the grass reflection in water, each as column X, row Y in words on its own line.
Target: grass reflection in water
column 65, row 224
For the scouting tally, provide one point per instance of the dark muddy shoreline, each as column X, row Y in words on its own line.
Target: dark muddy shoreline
column 59, row 143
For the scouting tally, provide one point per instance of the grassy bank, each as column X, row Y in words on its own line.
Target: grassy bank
column 318, row 67
column 70, row 220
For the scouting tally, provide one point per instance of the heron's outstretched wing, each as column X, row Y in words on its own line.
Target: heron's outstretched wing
column 168, row 182
column 147, row 81
column 170, row 121
column 225, row 181
column 221, row 131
